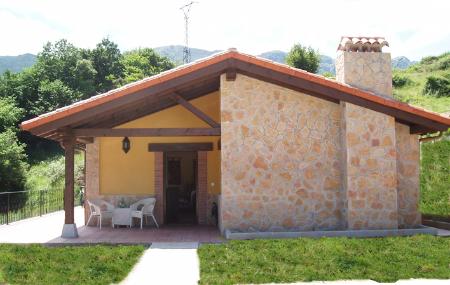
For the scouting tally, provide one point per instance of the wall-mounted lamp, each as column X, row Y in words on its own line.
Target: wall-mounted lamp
column 126, row 144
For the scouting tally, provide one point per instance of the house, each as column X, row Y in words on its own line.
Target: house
column 276, row 148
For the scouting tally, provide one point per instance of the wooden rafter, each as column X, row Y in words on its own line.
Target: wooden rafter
column 202, row 146
column 194, row 110
column 147, row 132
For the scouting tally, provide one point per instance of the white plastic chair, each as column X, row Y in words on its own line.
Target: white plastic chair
column 148, row 205
column 95, row 207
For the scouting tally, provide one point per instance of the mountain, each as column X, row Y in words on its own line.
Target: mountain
column 175, row 53
column 402, row 62
column 275, row 55
column 16, row 63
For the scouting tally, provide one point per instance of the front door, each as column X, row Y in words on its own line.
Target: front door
column 180, row 187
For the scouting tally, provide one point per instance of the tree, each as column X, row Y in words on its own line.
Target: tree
column 107, row 61
column 53, row 95
column 143, row 62
column 302, row 57
column 10, row 114
column 12, row 154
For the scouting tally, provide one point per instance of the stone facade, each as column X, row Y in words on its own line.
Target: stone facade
column 369, row 71
column 280, row 158
column 408, row 153
column 370, row 168
column 291, row 161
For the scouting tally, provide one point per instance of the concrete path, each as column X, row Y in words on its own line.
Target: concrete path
column 38, row 229
column 166, row 263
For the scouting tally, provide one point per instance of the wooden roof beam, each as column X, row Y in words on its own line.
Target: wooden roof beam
column 194, row 110
column 147, row 132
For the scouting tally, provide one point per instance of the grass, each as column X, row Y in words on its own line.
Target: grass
column 435, row 178
column 293, row 260
column 416, row 75
column 35, row 264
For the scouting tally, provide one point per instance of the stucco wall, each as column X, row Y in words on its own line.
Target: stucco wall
column 132, row 173
column 408, row 167
column 280, row 158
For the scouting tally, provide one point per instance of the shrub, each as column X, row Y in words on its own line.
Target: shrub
column 12, row 162
column 328, row 74
column 437, row 86
column 49, row 174
column 429, row 59
column 400, row 81
column 444, row 63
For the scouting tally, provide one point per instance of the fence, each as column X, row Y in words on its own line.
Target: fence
column 15, row 206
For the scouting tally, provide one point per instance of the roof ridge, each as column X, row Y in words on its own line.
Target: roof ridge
column 218, row 57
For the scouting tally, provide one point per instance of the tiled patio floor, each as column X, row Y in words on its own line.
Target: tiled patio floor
column 175, row 233
column 47, row 230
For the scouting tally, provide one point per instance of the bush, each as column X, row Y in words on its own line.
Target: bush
column 12, row 162
column 49, row 174
column 400, row 81
column 444, row 63
column 328, row 74
column 437, row 86
column 435, row 178
column 429, row 59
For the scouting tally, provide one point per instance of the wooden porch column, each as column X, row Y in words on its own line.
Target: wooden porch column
column 69, row 229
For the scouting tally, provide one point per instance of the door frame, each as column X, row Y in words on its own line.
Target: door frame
column 202, row 149
column 168, row 154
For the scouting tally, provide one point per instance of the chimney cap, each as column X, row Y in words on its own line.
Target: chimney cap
column 362, row 44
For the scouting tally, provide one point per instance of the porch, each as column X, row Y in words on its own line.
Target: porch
column 47, row 230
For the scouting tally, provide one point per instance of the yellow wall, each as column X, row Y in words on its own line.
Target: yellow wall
column 133, row 173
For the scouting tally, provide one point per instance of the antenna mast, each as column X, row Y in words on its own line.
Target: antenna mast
column 186, row 51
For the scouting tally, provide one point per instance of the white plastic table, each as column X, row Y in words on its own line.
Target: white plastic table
column 121, row 217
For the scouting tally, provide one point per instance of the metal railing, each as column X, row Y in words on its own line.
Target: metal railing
column 15, row 206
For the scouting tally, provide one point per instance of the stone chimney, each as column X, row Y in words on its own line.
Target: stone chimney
column 362, row 63
column 369, row 190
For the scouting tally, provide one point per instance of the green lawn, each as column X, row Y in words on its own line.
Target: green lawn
column 290, row 260
column 35, row 264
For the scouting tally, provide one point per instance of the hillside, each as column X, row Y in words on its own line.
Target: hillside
column 425, row 84
column 16, row 63
column 175, row 53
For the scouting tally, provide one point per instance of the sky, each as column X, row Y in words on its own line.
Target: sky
column 413, row 28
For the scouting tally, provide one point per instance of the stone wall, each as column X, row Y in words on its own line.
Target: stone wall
column 369, row 159
column 370, row 168
column 370, row 71
column 408, row 166
column 280, row 158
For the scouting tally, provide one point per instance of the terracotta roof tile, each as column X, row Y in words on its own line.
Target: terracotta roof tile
column 362, row 44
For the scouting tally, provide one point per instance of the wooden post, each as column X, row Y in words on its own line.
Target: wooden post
column 69, row 229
